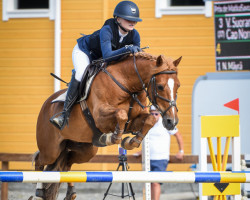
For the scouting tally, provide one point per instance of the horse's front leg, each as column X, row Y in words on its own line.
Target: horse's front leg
column 143, row 123
column 120, row 117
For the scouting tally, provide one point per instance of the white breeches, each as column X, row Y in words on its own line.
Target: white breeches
column 80, row 62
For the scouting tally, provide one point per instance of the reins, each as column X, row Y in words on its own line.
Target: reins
column 102, row 60
column 134, row 95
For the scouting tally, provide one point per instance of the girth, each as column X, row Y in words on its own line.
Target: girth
column 88, row 116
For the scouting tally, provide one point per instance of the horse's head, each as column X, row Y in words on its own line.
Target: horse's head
column 162, row 90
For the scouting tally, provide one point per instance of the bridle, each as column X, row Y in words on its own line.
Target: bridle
column 155, row 95
column 154, row 91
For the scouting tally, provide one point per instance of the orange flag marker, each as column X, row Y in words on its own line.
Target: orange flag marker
column 233, row 105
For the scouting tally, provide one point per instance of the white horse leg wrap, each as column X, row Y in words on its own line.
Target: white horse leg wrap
column 108, row 139
column 39, row 186
column 38, row 198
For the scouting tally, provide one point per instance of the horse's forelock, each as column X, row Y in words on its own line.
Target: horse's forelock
column 170, row 63
column 167, row 66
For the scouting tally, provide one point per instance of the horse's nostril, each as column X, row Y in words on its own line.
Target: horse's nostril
column 169, row 121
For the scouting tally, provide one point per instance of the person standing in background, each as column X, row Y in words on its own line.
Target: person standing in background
column 159, row 144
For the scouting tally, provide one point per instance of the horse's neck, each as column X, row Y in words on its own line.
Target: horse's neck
column 130, row 76
column 145, row 70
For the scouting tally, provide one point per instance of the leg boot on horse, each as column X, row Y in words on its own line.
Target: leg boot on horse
column 71, row 192
column 145, row 121
column 71, row 97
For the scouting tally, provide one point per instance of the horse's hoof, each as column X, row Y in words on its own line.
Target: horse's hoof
column 106, row 139
column 72, row 196
column 125, row 143
column 129, row 143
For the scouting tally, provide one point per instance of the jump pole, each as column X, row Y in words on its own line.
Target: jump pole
column 146, row 166
column 128, row 176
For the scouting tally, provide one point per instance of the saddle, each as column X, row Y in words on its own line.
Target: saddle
column 90, row 73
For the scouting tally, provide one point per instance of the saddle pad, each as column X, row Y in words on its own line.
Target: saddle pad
column 60, row 98
column 87, row 87
column 89, row 74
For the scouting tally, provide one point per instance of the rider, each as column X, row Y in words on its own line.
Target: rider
column 117, row 36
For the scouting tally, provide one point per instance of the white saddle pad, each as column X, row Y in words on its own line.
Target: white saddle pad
column 60, row 98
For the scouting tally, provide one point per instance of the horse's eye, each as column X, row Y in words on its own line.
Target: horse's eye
column 160, row 87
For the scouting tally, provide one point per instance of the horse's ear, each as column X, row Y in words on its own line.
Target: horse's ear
column 176, row 62
column 160, row 60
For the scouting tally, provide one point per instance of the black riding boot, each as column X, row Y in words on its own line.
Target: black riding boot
column 71, row 97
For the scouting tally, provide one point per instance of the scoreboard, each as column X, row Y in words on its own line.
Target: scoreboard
column 232, row 35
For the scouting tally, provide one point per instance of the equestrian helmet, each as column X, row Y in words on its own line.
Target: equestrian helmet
column 127, row 10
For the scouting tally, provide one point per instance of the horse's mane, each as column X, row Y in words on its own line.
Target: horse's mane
column 140, row 55
column 148, row 56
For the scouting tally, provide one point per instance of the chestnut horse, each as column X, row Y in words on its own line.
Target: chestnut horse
column 109, row 102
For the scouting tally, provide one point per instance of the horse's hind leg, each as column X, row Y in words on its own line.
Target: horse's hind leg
column 47, row 157
column 131, row 143
column 71, row 192
column 78, row 153
column 40, row 192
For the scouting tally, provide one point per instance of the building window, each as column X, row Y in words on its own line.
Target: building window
column 187, row 3
column 28, row 9
column 182, row 7
column 31, row 4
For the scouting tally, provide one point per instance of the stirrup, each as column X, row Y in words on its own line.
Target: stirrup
column 65, row 121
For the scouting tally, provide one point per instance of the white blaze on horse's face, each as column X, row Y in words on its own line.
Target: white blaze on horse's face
column 171, row 87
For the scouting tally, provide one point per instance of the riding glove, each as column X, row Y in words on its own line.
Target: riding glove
column 132, row 48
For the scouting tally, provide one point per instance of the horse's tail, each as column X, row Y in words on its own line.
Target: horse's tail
column 34, row 157
column 51, row 190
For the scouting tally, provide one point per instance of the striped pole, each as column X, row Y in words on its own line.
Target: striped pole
column 130, row 176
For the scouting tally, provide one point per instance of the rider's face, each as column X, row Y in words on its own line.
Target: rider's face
column 128, row 25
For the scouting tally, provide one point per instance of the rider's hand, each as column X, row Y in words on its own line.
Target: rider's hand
column 133, row 49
